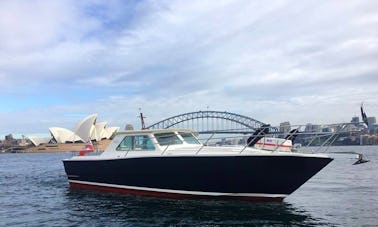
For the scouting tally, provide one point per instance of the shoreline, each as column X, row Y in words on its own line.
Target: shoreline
column 59, row 148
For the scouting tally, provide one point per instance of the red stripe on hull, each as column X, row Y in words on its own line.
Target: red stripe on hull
column 167, row 194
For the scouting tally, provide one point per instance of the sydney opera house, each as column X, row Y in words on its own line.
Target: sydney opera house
column 86, row 130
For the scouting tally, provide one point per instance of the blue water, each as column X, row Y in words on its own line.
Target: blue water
column 34, row 192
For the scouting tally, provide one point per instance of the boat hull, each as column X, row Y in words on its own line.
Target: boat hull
column 237, row 177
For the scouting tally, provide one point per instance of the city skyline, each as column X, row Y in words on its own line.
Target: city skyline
column 302, row 62
column 285, row 126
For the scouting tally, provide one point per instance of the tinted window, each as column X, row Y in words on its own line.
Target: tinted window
column 167, row 138
column 136, row 143
column 126, row 144
column 143, row 143
column 189, row 138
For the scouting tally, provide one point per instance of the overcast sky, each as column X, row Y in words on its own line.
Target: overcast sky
column 298, row 61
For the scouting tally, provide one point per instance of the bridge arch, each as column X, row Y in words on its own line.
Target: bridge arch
column 242, row 123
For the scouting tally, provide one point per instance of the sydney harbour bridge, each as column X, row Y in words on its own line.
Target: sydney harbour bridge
column 209, row 122
column 218, row 122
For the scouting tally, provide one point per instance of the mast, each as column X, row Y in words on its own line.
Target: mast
column 142, row 119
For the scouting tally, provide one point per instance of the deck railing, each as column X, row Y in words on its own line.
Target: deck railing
column 318, row 138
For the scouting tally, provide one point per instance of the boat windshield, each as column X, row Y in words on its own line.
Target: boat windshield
column 168, row 138
column 137, row 142
column 189, row 138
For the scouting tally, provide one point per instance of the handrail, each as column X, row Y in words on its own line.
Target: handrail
column 249, row 143
column 276, row 148
column 205, row 143
column 333, row 135
column 307, row 138
column 127, row 152
column 166, row 148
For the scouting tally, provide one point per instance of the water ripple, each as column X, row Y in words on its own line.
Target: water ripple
column 34, row 192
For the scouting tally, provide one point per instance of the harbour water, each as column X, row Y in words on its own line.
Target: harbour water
column 34, row 192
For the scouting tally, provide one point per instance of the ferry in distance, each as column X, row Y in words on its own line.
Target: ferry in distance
column 174, row 163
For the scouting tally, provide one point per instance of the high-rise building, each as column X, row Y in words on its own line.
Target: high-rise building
column 9, row 137
column 312, row 128
column 355, row 120
column 285, row 127
column 371, row 120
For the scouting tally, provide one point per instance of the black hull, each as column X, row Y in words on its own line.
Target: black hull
column 248, row 177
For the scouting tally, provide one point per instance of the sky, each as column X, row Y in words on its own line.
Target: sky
column 278, row 60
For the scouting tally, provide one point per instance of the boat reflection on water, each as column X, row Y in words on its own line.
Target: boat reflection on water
column 94, row 208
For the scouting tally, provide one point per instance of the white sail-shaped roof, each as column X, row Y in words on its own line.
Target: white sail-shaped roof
column 83, row 129
column 63, row 135
column 109, row 132
column 98, row 131
column 37, row 141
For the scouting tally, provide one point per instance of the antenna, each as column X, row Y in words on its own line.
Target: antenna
column 142, row 119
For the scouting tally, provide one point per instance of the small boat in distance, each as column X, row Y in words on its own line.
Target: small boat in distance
column 173, row 163
column 360, row 159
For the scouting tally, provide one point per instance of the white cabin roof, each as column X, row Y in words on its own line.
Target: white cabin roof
column 151, row 131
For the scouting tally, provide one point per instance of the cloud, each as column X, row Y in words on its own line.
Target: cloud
column 274, row 62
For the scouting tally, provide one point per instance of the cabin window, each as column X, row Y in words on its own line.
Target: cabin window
column 141, row 142
column 189, row 138
column 168, row 138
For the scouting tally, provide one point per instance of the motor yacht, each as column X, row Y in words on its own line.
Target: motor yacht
column 174, row 163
